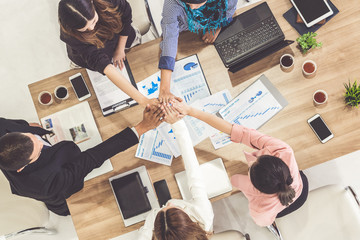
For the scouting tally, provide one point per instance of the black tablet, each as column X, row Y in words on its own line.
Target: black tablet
column 312, row 11
column 130, row 195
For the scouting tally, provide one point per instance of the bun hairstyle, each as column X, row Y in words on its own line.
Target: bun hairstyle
column 270, row 175
column 74, row 15
column 175, row 224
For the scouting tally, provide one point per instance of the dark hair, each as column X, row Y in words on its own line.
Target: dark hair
column 269, row 174
column 175, row 224
column 15, row 151
column 74, row 14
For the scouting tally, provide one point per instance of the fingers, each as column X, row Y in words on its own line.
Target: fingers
column 178, row 99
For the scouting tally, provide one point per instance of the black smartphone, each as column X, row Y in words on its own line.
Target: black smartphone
column 162, row 192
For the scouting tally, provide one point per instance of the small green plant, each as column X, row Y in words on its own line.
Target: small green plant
column 352, row 94
column 308, row 41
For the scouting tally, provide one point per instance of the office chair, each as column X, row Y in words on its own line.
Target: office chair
column 20, row 215
column 140, row 16
column 330, row 212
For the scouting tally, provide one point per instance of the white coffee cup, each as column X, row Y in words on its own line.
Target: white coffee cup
column 61, row 92
column 320, row 97
column 309, row 68
column 287, row 62
column 45, row 98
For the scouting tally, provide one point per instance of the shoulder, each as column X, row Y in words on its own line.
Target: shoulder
column 172, row 6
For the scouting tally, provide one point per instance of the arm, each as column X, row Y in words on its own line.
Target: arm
column 121, row 82
column 119, row 54
column 214, row 121
column 8, row 125
column 170, row 29
column 71, row 178
column 126, row 17
column 193, row 173
column 240, row 134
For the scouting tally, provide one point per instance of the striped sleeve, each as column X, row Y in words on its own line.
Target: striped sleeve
column 170, row 28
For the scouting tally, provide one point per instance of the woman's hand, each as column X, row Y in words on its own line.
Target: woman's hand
column 210, row 37
column 181, row 107
column 119, row 58
column 171, row 115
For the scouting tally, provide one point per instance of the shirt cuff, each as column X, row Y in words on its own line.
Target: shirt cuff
column 167, row 62
column 136, row 133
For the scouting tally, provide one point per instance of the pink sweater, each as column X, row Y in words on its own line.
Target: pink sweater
column 263, row 207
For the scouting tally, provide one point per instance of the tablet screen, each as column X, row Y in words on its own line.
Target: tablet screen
column 311, row 9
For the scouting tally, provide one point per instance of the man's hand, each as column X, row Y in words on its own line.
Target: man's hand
column 210, row 37
column 152, row 117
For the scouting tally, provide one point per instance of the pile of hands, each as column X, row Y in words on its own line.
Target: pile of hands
column 171, row 111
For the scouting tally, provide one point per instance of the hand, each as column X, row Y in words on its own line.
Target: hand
column 152, row 117
column 165, row 96
column 153, row 102
column 210, row 37
column 171, row 115
column 119, row 58
column 181, row 107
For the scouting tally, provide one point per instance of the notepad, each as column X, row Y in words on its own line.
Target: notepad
column 215, row 178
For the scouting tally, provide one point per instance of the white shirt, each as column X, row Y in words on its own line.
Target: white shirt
column 199, row 207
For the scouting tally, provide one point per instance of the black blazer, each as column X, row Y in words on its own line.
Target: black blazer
column 60, row 170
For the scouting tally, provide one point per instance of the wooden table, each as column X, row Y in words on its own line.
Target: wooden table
column 94, row 210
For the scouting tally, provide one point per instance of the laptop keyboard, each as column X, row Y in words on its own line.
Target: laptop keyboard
column 249, row 40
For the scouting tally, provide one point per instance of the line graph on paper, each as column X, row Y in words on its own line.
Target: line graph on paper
column 252, row 108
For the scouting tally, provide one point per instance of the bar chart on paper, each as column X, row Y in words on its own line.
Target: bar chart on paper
column 152, row 147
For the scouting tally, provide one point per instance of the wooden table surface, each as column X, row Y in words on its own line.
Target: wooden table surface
column 94, row 210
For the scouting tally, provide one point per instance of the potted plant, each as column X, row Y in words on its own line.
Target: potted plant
column 308, row 41
column 352, row 94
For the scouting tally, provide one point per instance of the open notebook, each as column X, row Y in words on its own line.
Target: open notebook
column 215, row 177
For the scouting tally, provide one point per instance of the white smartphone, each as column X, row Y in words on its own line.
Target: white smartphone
column 312, row 11
column 320, row 128
column 78, row 83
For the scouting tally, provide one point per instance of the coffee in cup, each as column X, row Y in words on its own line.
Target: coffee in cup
column 287, row 62
column 45, row 98
column 320, row 97
column 309, row 68
column 61, row 92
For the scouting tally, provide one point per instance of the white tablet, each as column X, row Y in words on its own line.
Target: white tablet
column 312, row 11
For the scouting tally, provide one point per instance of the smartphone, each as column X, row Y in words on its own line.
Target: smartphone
column 162, row 192
column 320, row 128
column 78, row 83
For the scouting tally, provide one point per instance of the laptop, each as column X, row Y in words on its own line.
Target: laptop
column 250, row 37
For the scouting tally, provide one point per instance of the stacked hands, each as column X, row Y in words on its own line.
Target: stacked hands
column 170, row 112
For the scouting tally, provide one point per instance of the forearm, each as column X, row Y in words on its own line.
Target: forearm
column 121, row 43
column 165, row 80
column 212, row 120
column 119, row 80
